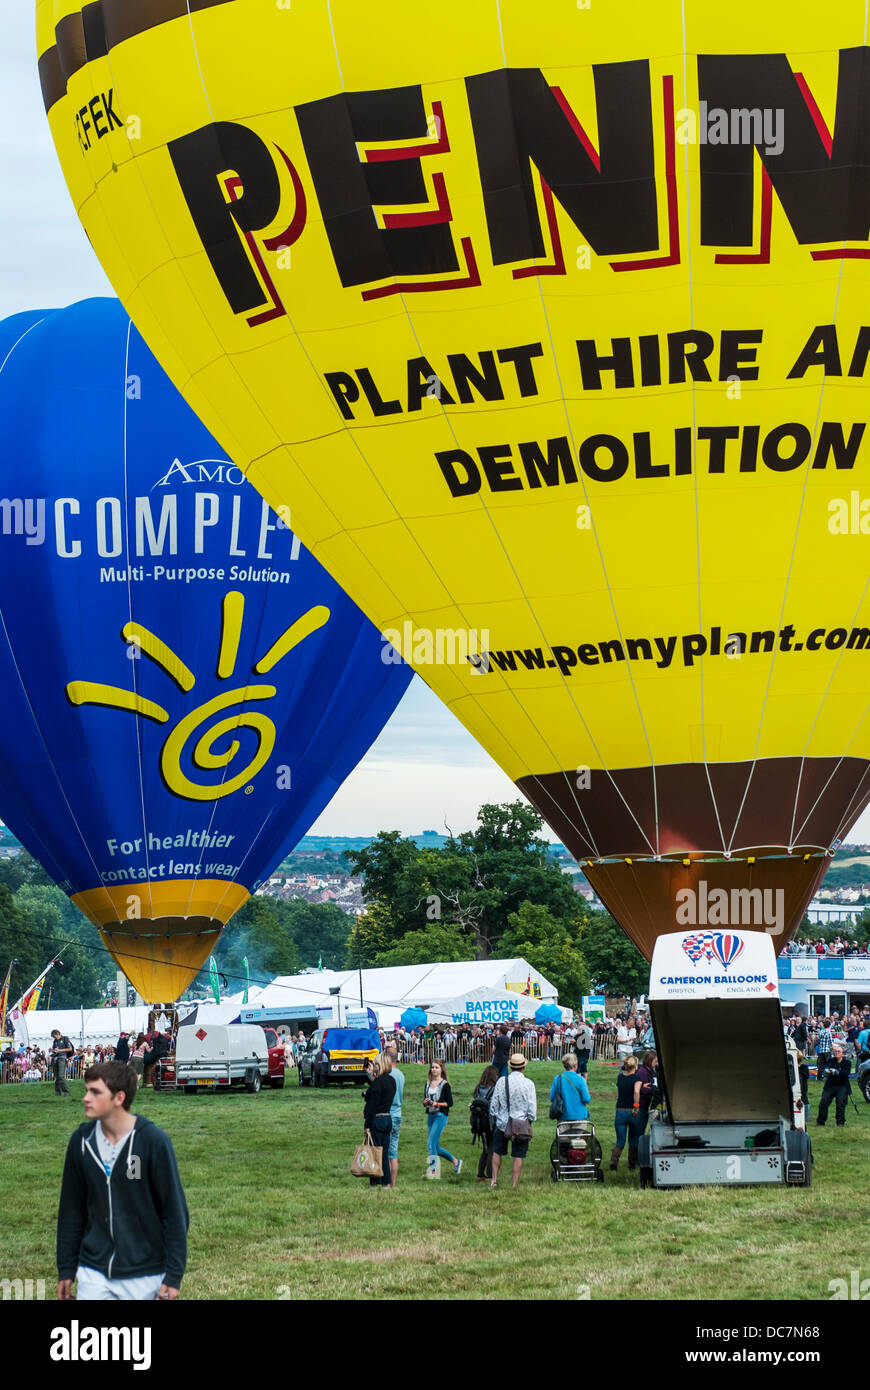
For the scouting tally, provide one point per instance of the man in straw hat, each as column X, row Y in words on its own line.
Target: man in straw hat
column 514, row 1108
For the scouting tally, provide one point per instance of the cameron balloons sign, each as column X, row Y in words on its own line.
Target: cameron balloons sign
column 184, row 687
column 551, row 319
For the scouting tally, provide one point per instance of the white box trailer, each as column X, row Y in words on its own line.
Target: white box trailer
column 732, row 1110
column 221, row 1054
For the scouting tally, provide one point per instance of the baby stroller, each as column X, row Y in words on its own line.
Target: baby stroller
column 575, row 1154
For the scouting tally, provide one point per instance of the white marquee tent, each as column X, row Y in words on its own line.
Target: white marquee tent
column 388, row 992
column 438, row 988
column 83, row 1026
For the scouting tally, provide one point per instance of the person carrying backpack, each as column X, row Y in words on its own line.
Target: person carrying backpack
column 481, row 1121
column 572, row 1090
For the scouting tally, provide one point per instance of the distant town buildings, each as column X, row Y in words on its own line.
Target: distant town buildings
column 341, row 889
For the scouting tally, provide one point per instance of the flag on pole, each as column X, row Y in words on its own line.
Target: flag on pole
column 247, row 979
column 4, row 1001
column 31, row 998
column 28, row 1001
column 215, row 983
column 320, row 962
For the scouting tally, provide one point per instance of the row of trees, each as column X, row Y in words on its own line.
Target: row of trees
column 35, row 918
column 493, row 892
column 281, row 938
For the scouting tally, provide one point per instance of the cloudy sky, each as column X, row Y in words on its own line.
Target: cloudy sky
column 424, row 770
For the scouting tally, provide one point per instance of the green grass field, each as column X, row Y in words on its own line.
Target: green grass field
column 276, row 1214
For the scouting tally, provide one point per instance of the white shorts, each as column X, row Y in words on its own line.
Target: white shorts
column 92, row 1286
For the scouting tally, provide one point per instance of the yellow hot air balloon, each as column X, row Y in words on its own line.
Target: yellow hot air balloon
column 548, row 322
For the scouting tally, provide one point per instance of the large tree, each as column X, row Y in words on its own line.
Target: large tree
column 548, row 945
column 473, row 883
column 261, row 931
column 22, row 869
column 371, row 934
column 19, row 942
column 60, row 927
column 440, row 941
column 320, row 931
column 34, row 925
column 615, row 964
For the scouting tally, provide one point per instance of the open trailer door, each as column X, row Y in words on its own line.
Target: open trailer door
column 732, row 1109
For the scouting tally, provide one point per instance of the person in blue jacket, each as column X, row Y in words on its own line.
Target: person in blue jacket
column 573, row 1089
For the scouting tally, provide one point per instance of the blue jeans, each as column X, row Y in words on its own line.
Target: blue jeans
column 436, row 1125
column 394, row 1136
column 625, row 1121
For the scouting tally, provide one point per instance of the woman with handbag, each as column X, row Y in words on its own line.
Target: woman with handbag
column 379, row 1097
column 437, row 1101
column 514, row 1109
column 569, row 1093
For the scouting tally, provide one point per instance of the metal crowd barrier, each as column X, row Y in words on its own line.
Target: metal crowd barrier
column 478, row 1051
column 11, row 1073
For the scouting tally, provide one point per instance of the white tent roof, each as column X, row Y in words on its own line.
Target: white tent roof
column 105, row 1025
column 387, row 991
column 80, row 1025
column 391, row 990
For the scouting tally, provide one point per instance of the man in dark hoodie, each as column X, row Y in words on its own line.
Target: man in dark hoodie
column 122, row 1222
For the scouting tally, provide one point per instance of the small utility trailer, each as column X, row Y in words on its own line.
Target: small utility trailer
column 731, row 1108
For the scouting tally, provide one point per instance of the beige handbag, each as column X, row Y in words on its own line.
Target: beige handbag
column 367, row 1162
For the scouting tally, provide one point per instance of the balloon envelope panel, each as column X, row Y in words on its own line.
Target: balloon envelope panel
column 569, row 301
column 186, row 687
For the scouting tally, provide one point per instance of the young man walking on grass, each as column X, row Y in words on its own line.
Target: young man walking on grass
column 122, row 1223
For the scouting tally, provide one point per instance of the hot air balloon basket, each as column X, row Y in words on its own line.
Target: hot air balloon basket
column 575, row 1153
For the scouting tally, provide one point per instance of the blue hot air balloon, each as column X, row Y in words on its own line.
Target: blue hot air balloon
column 183, row 687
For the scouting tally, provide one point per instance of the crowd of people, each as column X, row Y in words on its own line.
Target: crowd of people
column 502, row 1112
column 503, row 1107
column 838, row 947
column 814, row 1035
column 62, row 1061
column 600, row 1040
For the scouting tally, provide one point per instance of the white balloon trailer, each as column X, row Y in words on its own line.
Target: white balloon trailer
column 731, row 1110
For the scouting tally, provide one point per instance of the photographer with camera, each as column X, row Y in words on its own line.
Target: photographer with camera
column 836, row 1087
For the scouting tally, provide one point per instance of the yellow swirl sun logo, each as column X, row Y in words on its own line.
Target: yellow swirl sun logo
column 202, row 755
